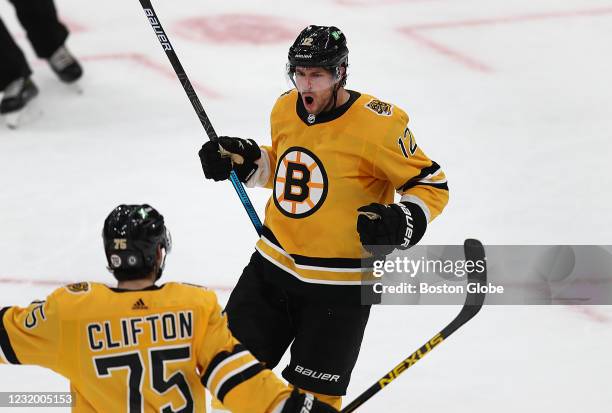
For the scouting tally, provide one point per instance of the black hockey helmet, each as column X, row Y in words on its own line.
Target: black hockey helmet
column 132, row 234
column 319, row 46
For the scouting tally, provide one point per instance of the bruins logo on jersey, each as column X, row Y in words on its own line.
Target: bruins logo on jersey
column 300, row 183
column 78, row 288
column 380, row 108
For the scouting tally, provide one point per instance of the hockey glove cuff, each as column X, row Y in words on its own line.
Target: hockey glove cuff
column 305, row 403
column 382, row 228
column 243, row 153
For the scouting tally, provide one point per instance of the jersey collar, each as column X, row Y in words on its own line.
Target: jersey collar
column 328, row 116
column 149, row 288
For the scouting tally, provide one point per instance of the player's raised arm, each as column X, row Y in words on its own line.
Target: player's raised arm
column 419, row 180
column 31, row 335
column 427, row 189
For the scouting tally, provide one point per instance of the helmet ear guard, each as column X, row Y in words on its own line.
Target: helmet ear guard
column 130, row 261
column 342, row 77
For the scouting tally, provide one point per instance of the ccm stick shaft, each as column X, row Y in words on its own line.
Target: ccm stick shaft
column 474, row 251
column 197, row 105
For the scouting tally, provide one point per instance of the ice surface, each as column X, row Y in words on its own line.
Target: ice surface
column 512, row 98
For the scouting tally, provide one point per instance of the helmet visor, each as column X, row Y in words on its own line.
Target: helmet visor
column 313, row 79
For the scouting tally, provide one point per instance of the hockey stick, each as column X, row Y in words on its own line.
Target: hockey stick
column 197, row 105
column 474, row 251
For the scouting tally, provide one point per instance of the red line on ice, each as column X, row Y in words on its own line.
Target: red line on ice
column 33, row 282
column 238, row 28
column 509, row 19
column 591, row 314
column 472, row 63
column 452, row 54
column 152, row 65
column 73, row 26
column 376, row 3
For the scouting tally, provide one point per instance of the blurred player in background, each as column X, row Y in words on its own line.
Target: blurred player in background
column 141, row 347
column 47, row 36
column 336, row 160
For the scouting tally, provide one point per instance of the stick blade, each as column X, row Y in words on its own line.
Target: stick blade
column 473, row 249
column 475, row 252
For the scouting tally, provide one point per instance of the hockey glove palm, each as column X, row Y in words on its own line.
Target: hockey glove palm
column 382, row 228
column 302, row 403
column 220, row 157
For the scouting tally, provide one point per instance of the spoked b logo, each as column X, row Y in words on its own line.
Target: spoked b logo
column 300, row 183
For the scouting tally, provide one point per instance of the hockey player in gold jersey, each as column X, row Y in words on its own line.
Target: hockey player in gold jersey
column 336, row 160
column 141, row 347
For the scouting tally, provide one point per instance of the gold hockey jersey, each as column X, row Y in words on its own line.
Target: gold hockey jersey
column 139, row 351
column 323, row 168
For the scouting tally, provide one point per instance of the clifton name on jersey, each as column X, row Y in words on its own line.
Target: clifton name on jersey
column 148, row 350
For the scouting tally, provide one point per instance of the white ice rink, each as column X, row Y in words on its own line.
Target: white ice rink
column 513, row 99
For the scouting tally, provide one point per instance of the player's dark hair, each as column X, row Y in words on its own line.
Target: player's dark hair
column 132, row 235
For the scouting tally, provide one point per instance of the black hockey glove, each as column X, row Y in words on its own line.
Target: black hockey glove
column 306, row 403
column 220, row 157
column 382, row 228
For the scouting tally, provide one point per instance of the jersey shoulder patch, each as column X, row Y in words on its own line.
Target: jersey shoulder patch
column 78, row 288
column 286, row 93
column 379, row 107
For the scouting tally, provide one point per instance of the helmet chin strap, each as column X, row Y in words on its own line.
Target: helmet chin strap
column 337, row 86
column 334, row 96
column 160, row 266
column 332, row 100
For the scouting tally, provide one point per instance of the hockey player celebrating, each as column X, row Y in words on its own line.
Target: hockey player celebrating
column 141, row 347
column 336, row 159
column 47, row 36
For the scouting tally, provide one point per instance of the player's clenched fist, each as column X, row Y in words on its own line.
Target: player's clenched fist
column 382, row 228
column 220, row 157
column 301, row 403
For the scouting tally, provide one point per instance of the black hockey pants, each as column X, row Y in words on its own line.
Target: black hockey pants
column 45, row 32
